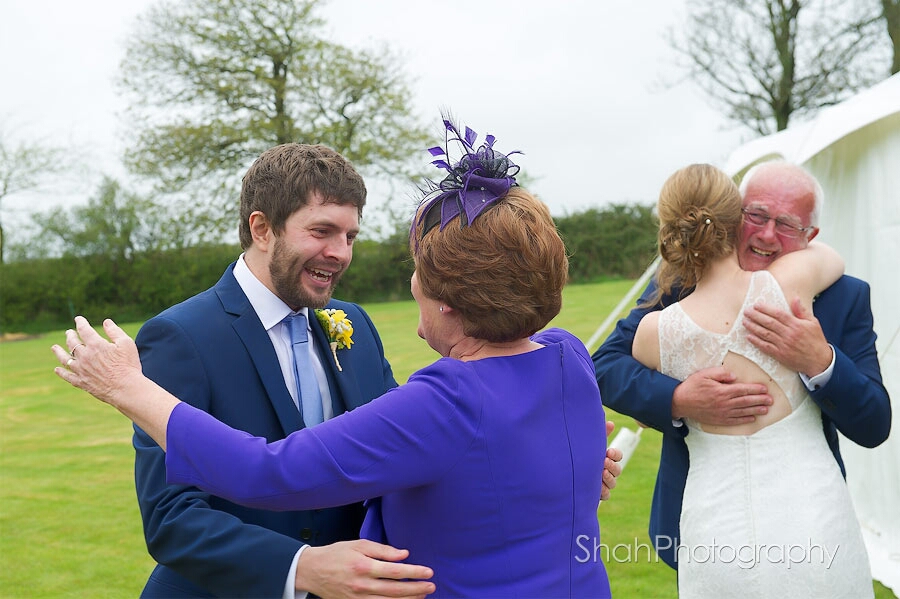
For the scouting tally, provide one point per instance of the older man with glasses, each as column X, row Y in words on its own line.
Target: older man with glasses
column 785, row 226
column 832, row 349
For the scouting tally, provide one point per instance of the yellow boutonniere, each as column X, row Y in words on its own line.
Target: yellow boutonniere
column 338, row 329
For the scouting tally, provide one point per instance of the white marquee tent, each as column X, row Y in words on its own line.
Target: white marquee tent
column 853, row 148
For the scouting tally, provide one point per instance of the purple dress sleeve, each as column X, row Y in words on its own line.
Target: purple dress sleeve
column 410, row 436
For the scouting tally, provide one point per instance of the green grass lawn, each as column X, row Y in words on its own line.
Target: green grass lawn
column 69, row 522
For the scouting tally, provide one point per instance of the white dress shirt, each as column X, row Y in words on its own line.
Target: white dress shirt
column 271, row 311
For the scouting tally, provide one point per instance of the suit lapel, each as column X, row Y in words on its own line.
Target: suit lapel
column 343, row 386
column 259, row 347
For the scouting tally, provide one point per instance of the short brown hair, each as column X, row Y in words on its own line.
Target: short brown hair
column 283, row 178
column 699, row 212
column 504, row 273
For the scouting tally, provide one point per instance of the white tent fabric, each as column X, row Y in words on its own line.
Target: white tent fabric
column 853, row 149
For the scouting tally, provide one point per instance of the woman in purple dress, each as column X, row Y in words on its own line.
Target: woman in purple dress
column 487, row 463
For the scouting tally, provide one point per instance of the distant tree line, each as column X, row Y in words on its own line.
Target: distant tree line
column 110, row 274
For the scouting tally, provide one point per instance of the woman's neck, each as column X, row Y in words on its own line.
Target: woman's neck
column 724, row 271
column 469, row 348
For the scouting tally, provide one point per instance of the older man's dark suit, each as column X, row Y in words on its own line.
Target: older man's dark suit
column 213, row 352
column 854, row 401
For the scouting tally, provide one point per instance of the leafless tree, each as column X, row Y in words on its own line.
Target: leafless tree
column 891, row 14
column 764, row 62
column 26, row 166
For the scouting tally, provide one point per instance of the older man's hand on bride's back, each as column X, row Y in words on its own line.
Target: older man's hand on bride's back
column 712, row 396
column 102, row 368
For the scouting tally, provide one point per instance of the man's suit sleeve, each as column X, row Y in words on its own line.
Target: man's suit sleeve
column 855, row 398
column 209, row 547
column 626, row 385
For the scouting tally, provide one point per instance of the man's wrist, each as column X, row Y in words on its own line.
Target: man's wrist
column 820, row 380
column 290, row 590
column 677, row 413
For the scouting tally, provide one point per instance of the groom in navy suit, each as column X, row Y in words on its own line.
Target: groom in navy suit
column 833, row 349
column 228, row 351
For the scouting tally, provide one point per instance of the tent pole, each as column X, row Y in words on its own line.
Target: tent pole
column 626, row 299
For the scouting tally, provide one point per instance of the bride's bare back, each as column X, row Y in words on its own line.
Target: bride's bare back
column 717, row 308
column 748, row 371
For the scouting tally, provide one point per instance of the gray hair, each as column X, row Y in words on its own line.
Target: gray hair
column 818, row 193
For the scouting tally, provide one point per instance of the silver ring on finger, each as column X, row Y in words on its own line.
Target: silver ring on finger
column 72, row 353
column 69, row 362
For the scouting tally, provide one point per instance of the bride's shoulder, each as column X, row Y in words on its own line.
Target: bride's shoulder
column 645, row 348
column 651, row 319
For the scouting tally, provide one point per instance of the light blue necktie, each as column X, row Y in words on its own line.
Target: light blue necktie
column 310, row 396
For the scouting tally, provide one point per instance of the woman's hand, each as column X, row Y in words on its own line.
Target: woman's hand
column 103, row 369
column 111, row 372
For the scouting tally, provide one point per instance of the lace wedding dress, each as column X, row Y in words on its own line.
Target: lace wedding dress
column 767, row 514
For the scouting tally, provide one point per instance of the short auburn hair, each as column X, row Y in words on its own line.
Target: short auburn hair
column 504, row 273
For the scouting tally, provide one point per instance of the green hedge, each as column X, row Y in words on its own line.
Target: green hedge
column 44, row 294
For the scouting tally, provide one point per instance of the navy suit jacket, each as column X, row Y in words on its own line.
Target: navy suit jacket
column 213, row 352
column 854, row 401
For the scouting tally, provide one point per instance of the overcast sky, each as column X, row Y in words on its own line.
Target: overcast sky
column 572, row 84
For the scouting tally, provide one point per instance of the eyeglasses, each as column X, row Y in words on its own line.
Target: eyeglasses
column 782, row 227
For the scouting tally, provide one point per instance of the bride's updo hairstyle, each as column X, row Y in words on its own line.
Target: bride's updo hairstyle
column 699, row 213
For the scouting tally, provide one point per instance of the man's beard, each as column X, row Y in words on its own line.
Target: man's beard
column 287, row 271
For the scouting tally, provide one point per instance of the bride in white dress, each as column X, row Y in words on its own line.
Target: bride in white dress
column 766, row 512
